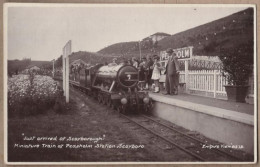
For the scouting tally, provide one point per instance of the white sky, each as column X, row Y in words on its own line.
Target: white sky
column 41, row 32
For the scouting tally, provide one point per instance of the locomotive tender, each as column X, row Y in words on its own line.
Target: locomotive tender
column 113, row 85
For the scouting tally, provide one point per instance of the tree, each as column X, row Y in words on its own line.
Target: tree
column 24, row 63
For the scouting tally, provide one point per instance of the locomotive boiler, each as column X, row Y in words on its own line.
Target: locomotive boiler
column 114, row 86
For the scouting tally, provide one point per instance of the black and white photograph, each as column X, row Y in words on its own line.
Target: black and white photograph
column 130, row 84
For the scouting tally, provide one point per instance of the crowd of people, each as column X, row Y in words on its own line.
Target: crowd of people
column 150, row 71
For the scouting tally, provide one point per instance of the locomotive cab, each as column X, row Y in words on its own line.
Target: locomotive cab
column 90, row 74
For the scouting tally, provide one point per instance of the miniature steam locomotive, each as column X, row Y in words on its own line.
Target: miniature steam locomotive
column 114, row 86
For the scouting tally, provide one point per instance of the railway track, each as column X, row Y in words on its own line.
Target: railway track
column 187, row 143
column 178, row 139
column 196, row 140
column 182, row 141
column 198, row 157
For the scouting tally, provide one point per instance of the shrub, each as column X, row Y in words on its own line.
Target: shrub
column 31, row 94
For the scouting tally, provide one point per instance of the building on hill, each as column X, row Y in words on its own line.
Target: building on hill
column 156, row 37
column 159, row 36
column 33, row 68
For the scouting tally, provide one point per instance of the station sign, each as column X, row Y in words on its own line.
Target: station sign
column 182, row 53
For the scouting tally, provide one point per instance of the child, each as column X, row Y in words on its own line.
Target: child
column 157, row 67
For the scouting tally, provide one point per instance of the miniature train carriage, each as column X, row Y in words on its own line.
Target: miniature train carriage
column 116, row 86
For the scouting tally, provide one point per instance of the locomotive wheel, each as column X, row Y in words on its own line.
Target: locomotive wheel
column 147, row 108
column 94, row 95
column 108, row 102
column 99, row 98
column 121, row 109
column 111, row 103
column 103, row 100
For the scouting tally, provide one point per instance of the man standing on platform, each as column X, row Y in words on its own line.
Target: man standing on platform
column 149, row 71
column 172, row 73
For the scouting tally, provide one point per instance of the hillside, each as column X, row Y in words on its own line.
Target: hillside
column 120, row 48
column 206, row 39
column 89, row 57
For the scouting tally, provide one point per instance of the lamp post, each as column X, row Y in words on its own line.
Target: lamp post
column 140, row 50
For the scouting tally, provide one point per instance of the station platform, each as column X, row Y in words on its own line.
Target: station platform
column 219, row 103
column 228, row 122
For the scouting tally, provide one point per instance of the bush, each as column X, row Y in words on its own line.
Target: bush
column 31, row 94
column 238, row 63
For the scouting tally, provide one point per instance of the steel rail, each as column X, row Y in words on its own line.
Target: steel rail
column 169, row 141
column 215, row 149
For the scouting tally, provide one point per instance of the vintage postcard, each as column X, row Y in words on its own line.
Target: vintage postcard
column 130, row 84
